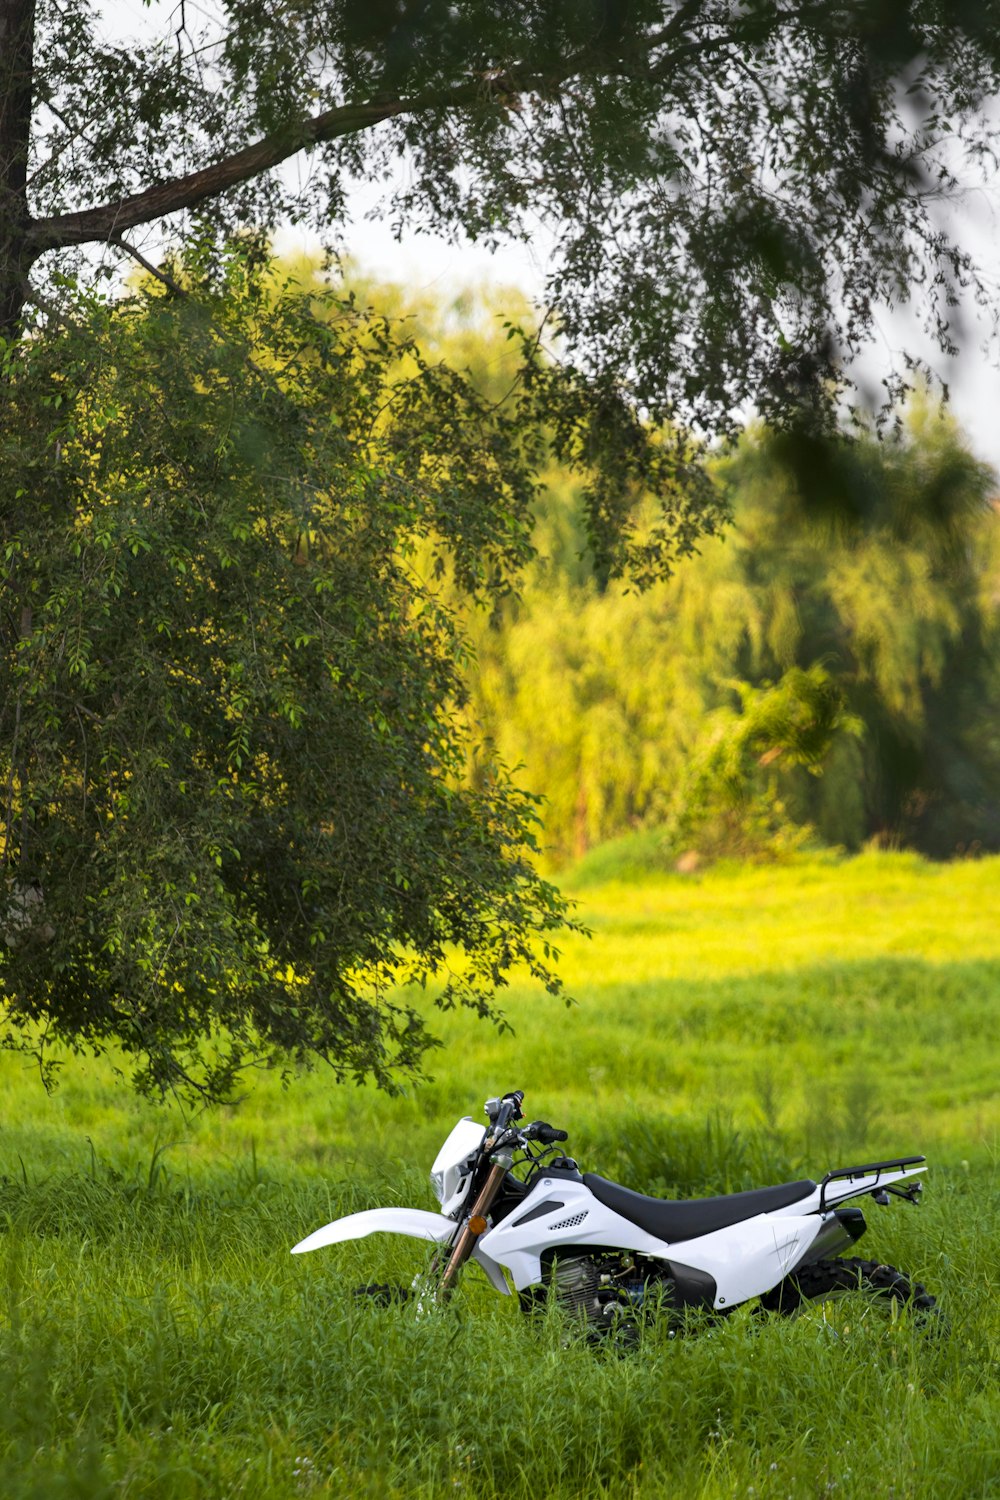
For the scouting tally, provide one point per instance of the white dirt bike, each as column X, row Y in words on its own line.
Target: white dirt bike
column 606, row 1253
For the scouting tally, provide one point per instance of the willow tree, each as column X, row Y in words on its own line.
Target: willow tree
column 232, row 819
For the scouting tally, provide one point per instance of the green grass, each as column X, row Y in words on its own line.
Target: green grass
column 736, row 1027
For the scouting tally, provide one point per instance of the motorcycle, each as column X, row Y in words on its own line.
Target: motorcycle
column 520, row 1209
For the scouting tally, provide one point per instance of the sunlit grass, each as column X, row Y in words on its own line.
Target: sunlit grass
column 157, row 1339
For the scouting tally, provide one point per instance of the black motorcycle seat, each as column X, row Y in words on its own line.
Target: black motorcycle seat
column 685, row 1219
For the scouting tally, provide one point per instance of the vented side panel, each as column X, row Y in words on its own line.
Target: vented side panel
column 569, row 1223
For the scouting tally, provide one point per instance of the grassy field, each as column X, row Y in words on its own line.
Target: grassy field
column 733, row 1028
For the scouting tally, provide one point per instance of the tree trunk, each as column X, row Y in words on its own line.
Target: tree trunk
column 17, row 48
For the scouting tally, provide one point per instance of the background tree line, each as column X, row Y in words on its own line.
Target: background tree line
column 863, row 612
column 827, row 668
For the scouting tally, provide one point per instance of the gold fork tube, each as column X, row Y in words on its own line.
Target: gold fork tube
column 466, row 1241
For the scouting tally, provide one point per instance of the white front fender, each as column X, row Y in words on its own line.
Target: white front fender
column 412, row 1221
column 415, row 1222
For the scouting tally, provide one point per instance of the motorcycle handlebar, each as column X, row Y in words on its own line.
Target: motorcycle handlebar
column 503, row 1111
column 508, row 1108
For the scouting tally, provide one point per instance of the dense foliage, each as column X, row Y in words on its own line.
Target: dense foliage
column 230, row 744
column 229, row 732
column 859, row 610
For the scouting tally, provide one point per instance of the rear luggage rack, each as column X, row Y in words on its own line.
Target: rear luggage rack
column 876, row 1167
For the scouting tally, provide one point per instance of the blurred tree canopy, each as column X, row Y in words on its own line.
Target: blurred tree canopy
column 832, row 665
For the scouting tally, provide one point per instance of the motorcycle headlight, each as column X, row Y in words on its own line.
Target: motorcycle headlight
column 437, row 1183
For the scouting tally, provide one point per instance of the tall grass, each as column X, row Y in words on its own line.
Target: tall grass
column 156, row 1338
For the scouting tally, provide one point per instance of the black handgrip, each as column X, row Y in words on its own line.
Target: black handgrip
column 540, row 1130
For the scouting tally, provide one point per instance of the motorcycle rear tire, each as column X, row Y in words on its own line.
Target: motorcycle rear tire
column 828, row 1278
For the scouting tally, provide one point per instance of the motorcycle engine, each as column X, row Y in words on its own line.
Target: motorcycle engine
column 596, row 1291
column 575, row 1284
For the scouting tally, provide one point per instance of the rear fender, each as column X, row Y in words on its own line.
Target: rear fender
column 840, row 1190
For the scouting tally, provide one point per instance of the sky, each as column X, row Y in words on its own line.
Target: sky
column 425, row 263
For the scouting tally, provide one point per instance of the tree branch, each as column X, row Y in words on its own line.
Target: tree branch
column 109, row 220
column 147, row 265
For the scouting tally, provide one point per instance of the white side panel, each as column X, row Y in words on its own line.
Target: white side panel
column 744, row 1259
column 493, row 1271
column 412, row 1221
column 575, row 1219
column 751, row 1257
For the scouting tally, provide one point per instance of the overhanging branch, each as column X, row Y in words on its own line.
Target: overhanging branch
column 108, row 220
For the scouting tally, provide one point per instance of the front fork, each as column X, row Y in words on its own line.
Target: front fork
column 475, row 1225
